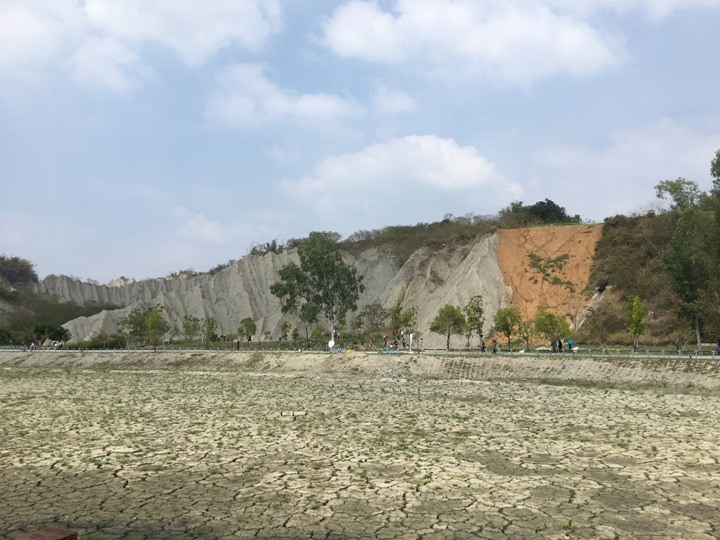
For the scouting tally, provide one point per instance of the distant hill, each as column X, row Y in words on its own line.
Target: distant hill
column 580, row 271
column 496, row 266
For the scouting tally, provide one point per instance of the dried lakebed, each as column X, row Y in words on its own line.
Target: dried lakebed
column 347, row 449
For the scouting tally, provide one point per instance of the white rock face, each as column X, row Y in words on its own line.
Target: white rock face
column 427, row 281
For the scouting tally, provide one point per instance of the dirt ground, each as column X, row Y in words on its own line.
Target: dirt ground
column 557, row 286
column 352, row 447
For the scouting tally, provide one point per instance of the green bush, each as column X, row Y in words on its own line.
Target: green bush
column 17, row 271
column 103, row 341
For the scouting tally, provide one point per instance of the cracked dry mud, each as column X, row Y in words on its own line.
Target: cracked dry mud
column 173, row 454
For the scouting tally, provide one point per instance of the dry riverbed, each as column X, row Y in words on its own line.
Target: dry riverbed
column 354, row 447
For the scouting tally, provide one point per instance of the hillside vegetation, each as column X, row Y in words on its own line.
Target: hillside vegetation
column 401, row 241
column 668, row 260
column 30, row 315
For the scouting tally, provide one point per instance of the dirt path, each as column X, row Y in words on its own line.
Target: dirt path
column 343, row 447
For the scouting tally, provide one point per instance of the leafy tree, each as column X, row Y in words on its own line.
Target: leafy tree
column 209, row 330
column 323, row 281
column 317, row 334
column 547, row 211
column 267, row 247
column 308, row 315
column 715, row 170
column 526, row 330
column 134, row 324
column 449, row 320
column 247, row 328
column 636, row 312
column 157, row 327
column 47, row 331
column 715, row 194
column 594, row 328
column 17, row 271
column 691, row 263
column 402, row 319
column 285, row 328
column 474, row 316
column 191, row 327
column 551, row 325
column 60, row 333
column 145, row 324
column 507, row 321
column 682, row 192
column 374, row 315
column 41, row 331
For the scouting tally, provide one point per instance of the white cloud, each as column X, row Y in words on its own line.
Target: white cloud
column 246, row 97
column 104, row 41
column 512, row 41
column 198, row 228
column 33, row 33
column 195, row 31
column 382, row 180
column 654, row 9
column 108, row 63
column 388, row 101
column 621, row 177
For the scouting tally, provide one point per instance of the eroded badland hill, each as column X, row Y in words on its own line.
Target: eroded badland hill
column 530, row 268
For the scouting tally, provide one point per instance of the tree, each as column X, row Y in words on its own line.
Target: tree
column 636, row 312
column 209, row 330
column 60, row 333
column 308, row 315
column 474, row 316
column 191, row 327
column 715, row 170
column 374, row 315
column 402, row 319
column 135, row 323
column 690, row 261
column 285, row 328
column 594, row 327
column 157, row 327
column 507, row 321
column 323, row 281
column 449, row 320
column 145, row 324
column 547, row 211
column 526, row 329
column 46, row 331
column 247, row 328
column 715, row 194
column 16, row 271
column 551, row 325
column 267, row 247
column 683, row 193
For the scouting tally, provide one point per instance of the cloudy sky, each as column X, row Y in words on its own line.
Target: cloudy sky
column 141, row 137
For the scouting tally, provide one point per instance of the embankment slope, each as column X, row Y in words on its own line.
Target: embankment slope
column 669, row 374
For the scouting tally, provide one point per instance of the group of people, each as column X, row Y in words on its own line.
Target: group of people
column 57, row 345
column 399, row 341
column 557, row 345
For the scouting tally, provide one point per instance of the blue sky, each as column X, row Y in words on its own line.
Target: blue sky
column 142, row 137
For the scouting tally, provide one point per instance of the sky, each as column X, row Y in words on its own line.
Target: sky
column 144, row 137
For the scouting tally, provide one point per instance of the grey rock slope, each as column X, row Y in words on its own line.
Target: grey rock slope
column 427, row 281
